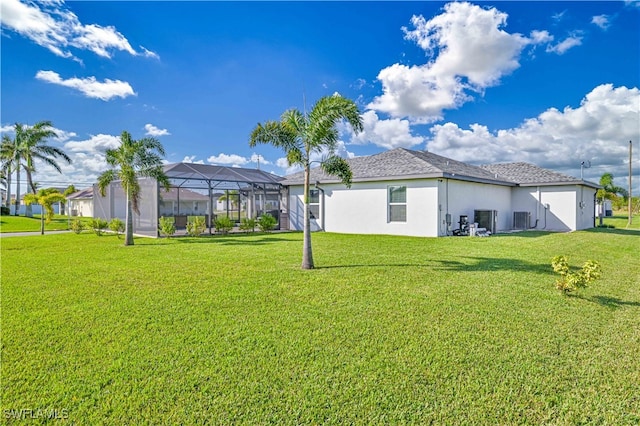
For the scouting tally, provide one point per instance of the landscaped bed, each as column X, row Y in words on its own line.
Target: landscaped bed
column 386, row 330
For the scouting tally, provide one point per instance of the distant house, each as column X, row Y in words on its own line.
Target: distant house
column 80, row 203
column 418, row 193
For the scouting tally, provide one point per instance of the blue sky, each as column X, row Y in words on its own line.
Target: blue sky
column 551, row 83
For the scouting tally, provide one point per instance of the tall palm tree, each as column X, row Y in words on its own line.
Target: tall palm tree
column 21, row 152
column 32, row 146
column 7, row 157
column 130, row 161
column 46, row 198
column 302, row 136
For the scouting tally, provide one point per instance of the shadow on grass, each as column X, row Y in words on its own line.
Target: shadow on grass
column 607, row 301
column 617, row 231
column 474, row 264
column 233, row 240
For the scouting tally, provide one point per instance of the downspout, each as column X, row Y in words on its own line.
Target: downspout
column 321, row 205
column 538, row 211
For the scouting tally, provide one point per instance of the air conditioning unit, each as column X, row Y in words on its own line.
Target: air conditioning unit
column 521, row 220
column 487, row 219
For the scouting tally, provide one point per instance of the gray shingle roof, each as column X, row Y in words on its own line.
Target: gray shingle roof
column 529, row 174
column 401, row 163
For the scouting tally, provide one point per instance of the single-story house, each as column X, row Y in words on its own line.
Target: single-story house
column 81, row 203
column 418, row 193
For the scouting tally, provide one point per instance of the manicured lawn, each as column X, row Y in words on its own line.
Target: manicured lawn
column 621, row 220
column 32, row 224
column 387, row 330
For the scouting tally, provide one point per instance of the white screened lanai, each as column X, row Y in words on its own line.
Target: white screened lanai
column 198, row 190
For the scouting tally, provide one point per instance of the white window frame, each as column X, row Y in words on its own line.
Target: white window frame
column 391, row 204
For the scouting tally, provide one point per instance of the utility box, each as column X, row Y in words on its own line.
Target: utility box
column 521, row 220
column 487, row 219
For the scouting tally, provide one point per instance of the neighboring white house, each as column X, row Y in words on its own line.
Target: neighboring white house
column 417, row 193
column 80, row 203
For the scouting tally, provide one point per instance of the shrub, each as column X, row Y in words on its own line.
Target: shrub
column 248, row 224
column 196, row 226
column 266, row 223
column 116, row 225
column 98, row 225
column 571, row 281
column 4, row 211
column 223, row 224
column 77, row 226
column 167, row 226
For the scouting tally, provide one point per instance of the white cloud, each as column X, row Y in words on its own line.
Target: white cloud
column 148, row 53
column 601, row 21
column 566, row 44
column 154, row 131
column 597, row 130
column 89, row 86
column 228, row 160
column 468, row 51
column 540, row 37
column 191, row 159
column 95, row 144
column 52, row 26
column 259, row 159
column 385, row 133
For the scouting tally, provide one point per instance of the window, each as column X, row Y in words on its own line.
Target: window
column 314, row 204
column 397, row 203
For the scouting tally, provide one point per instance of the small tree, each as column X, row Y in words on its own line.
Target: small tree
column 266, row 223
column 196, row 226
column 167, row 226
column 46, row 198
column 77, row 226
column 248, row 224
column 223, row 224
column 571, row 281
column 116, row 225
column 98, row 225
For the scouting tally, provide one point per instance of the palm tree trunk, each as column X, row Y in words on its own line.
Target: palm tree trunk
column 42, row 221
column 307, row 255
column 128, row 239
column 28, row 211
column 7, row 201
column 17, row 190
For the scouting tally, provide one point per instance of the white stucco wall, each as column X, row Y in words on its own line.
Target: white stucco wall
column 82, row 207
column 363, row 209
column 570, row 207
column 465, row 197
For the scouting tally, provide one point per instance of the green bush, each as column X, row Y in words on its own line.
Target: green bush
column 248, row 224
column 223, row 224
column 571, row 281
column 77, row 226
column 196, row 226
column 116, row 225
column 4, row 211
column 267, row 222
column 167, row 226
column 98, row 225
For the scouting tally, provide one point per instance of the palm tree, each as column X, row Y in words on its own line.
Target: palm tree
column 302, row 136
column 32, row 146
column 609, row 191
column 130, row 161
column 21, row 152
column 46, row 198
column 10, row 157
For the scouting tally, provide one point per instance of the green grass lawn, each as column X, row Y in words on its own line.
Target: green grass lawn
column 387, row 330
column 32, row 224
column 621, row 220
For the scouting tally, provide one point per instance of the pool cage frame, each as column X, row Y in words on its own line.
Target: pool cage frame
column 246, row 193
